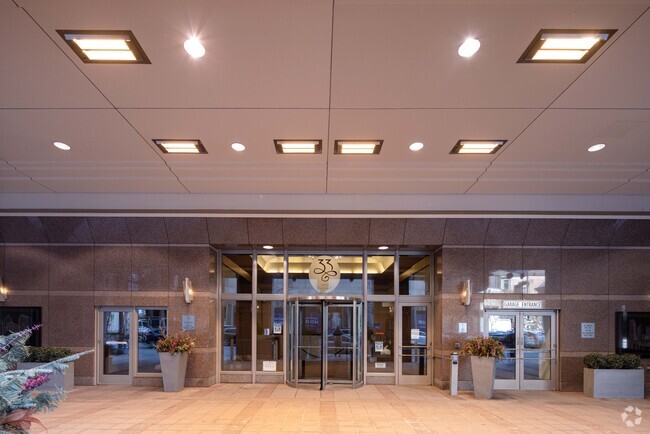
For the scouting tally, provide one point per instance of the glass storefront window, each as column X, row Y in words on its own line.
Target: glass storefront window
column 381, row 274
column 15, row 319
column 152, row 323
column 350, row 275
column 236, row 337
column 414, row 275
column 381, row 345
column 270, row 274
column 270, row 330
column 237, row 274
column 516, row 281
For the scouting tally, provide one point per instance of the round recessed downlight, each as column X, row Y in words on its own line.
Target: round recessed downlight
column 596, row 148
column 416, row 146
column 238, row 147
column 469, row 47
column 62, row 146
column 382, row 248
column 267, row 247
column 194, row 48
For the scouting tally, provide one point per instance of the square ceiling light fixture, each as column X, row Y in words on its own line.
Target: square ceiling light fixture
column 298, row 146
column 477, row 146
column 565, row 45
column 357, row 147
column 192, row 146
column 105, row 46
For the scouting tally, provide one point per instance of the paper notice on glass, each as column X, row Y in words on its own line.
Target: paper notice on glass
column 269, row 365
column 267, row 332
column 380, row 365
column 277, row 329
column 415, row 333
column 379, row 346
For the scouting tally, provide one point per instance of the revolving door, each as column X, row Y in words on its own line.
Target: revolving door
column 325, row 337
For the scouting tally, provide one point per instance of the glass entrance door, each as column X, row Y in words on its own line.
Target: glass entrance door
column 415, row 345
column 114, row 346
column 530, row 356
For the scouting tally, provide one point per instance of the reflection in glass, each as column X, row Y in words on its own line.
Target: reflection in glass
column 151, row 325
column 380, row 337
column 381, row 275
column 14, row 319
column 236, row 339
column 237, row 274
column 516, row 282
column 270, row 330
column 537, row 332
column 117, row 325
column 270, row 274
column 339, row 342
column 414, row 276
column 310, row 343
column 351, row 282
column 414, row 340
column 633, row 333
column 503, row 328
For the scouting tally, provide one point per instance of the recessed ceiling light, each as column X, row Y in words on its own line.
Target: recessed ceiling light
column 477, row 146
column 596, row 148
column 469, row 47
column 173, row 146
column 238, row 147
column 298, row 146
column 357, row 147
column 194, row 47
column 267, row 247
column 565, row 45
column 416, row 146
column 62, row 146
column 382, row 248
column 105, row 46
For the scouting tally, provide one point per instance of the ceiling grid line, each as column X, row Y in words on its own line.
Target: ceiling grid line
column 329, row 104
column 626, row 182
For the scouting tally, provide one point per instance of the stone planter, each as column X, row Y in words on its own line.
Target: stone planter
column 173, row 368
column 483, row 373
column 614, row 383
column 58, row 380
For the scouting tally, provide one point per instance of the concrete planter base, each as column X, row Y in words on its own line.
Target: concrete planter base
column 483, row 373
column 614, row 383
column 58, row 380
column 173, row 368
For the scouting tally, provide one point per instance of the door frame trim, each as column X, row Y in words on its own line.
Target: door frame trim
column 424, row 380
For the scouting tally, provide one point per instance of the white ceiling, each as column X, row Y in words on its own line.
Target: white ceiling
column 318, row 69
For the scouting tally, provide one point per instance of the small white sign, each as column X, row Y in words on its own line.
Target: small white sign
column 267, row 332
column 379, row 346
column 523, row 304
column 187, row 323
column 588, row 330
column 462, row 327
column 277, row 329
column 269, row 365
column 415, row 334
column 380, row 365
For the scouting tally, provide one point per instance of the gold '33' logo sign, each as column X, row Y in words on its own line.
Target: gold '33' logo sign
column 324, row 273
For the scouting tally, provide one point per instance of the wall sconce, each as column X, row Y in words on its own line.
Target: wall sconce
column 3, row 292
column 188, row 292
column 466, row 292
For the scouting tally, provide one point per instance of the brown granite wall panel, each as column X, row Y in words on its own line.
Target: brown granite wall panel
column 228, row 231
column 72, row 268
column 629, row 272
column 22, row 230
column 149, row 299
column 575, row 312
column 71, row 321
column 388, row 232
column 27, row 268
column 147, row 230
column 548, row 260
column 348, row 232
column 85, row 366
column 498, row 261
column 466, row 231
column 204, row 310
column 437, row 324
column 187, row 230
column 546, row 232
column 571, row 379
column 113, row 298
column 384, row 379
column 304, row 232
column 582, row 232
column 459, row 265
column 67, row 229
column 506, row 232
column 584, row 271
column 424, row 232
column 632, row 233
column 150, row 269
column 148, row 381
column 112, row 268
column 263, row 231
column 192, row 262
column 109, row 230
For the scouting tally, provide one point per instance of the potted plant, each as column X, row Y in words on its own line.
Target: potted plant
column 173, row 351
column 38, row 356
column 613, row 376
column 484, row 352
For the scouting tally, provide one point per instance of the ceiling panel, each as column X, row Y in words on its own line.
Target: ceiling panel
column 258, row 53
column 638, row 185
column 405, row 55
column 12, row 181
column 619, row 79
column 96, row 184
column 532, row 186
column 34, row 71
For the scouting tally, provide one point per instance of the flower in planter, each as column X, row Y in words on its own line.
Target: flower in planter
column 178, row 342
column 484, row 347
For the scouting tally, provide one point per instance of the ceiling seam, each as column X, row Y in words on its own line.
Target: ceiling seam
column 28, row 176
column 506, row 147
column 104, row 96
column 626, row 182
column 329, row 105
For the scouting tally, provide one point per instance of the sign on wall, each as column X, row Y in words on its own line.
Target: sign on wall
column 188, row 322
column 513, row 304
column 324, row 274
column 588, row 330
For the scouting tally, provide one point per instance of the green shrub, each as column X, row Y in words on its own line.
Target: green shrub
column 595, row 361
column 631, row 361
column 46, row 354
column 612, row 361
